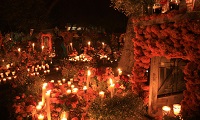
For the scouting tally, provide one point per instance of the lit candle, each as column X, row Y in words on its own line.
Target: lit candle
column 111, row 88
column 119, row 72
column 59, row 81
column 43, row 92
column 72, row 87
column 176, row 109
column 48, row 71
column 75, row 90
column 57, row 68
column 33, row 44
column 42, row 47
column 40, row 68
column 88, row 78
column 69, row 83
column 37, row 73
column 63, row 116
column 71, row 46
column 19, row 50
column 41, row 117
column 103, row 45
column 8, row 66
column 63, row 80
column 2, row 75
column 52, row 81
column 4, row 79
column 48, row 105
column 166, row 110
column 43, row 67
column 85, row 89
column 47, row 65
column 38, row 107
column 41, row 103
column 71, row 80
column 69, row 91
column 89, row 44
column 13, row 73
column 101, row 94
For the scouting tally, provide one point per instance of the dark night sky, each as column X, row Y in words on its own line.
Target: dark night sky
column 88, row 12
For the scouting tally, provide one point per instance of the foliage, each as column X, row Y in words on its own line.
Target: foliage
column 118, row 108
column 130, row 7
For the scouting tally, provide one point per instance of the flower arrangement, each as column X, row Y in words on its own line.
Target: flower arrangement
column 172, row 38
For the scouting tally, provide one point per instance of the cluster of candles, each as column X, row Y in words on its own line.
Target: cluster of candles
column 81, row 57
column 45, row 103
column 9, row 74
column 176, row 110
column 35, row 70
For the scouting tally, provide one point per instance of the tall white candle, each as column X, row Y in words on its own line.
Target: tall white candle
column 88, row 78
column 101, row 94
column 111, row 88
column 42, row 48
column 33, row 44
column 48, row 105
column 89, row 44
column 71, row 46
column 103, row 45
column 43, row 92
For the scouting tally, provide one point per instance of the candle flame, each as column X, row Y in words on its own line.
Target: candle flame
column 89, row 73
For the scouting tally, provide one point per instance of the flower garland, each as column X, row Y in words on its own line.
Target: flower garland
column 172, row 38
